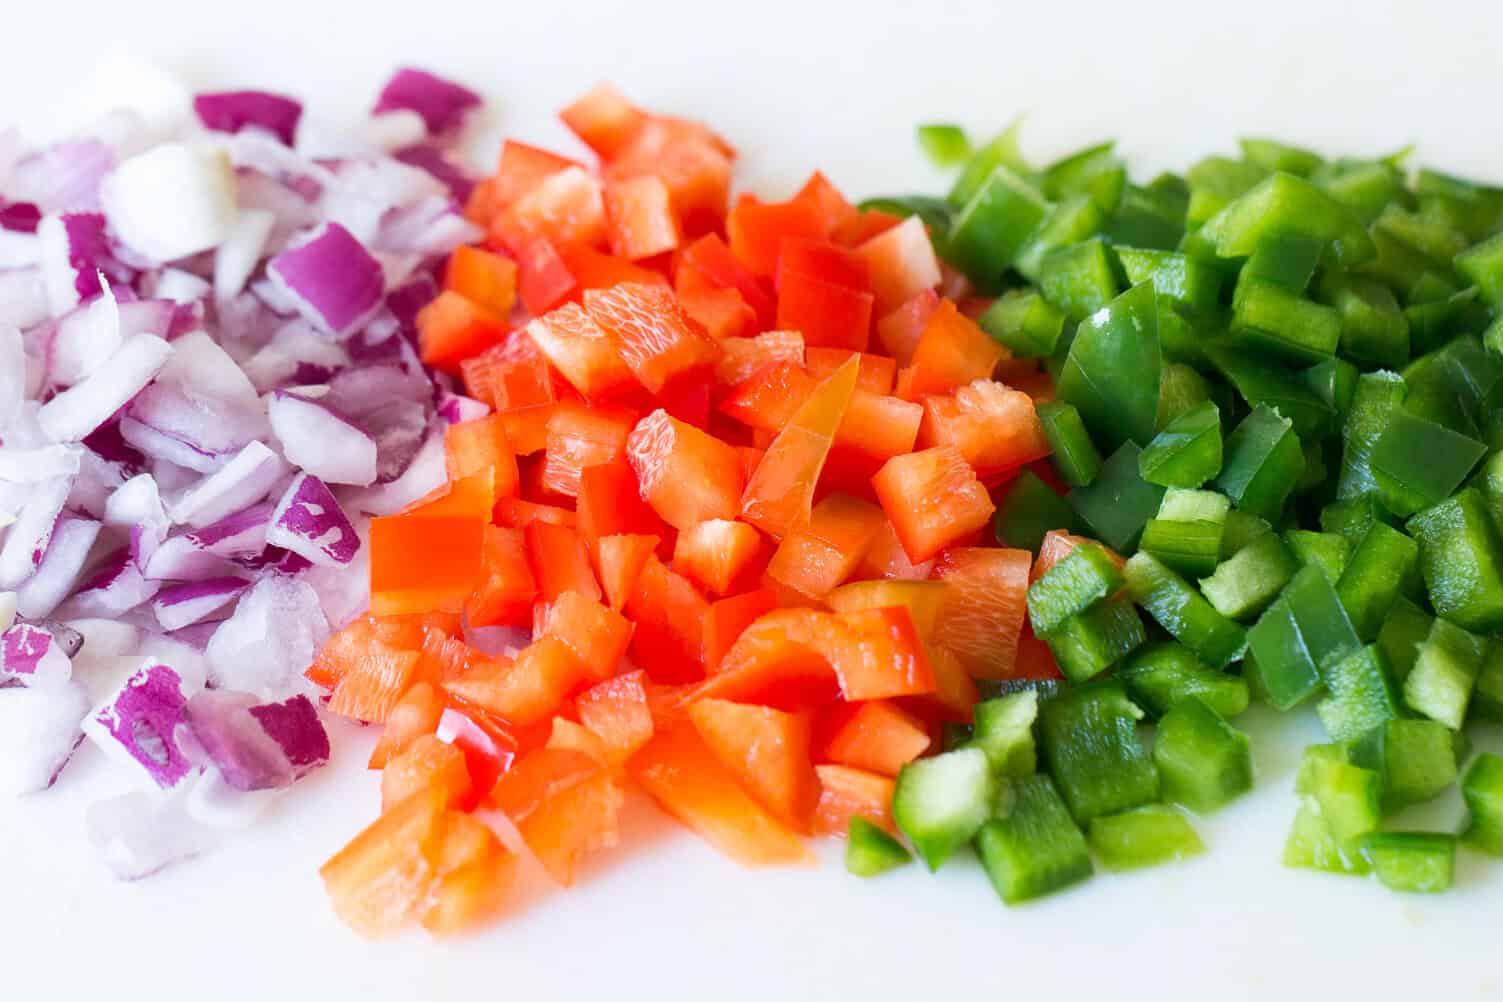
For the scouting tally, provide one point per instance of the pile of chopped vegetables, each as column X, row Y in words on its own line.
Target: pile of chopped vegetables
column 207, row 384
column 900, row 521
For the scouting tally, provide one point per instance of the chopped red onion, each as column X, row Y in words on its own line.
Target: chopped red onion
column 116, row 588
column 231, row 111
column 7, row 610
column 29, row 654
column 263, row 648
column 27, row 539
column 309, row 522
column 18, row 249
column 136, row 508
column 392, row 497
column 85, row 339
column 13, row 365
column 39, row 730
column 171, row 201
column 27, row 466
column 240, row 483
column 331, row 278
column 322, row 442
column 139, row 834
column 175, row 287
column 194, row 601
column 258, row 746
column 241, row 251
column 62, row 178
column 23, row 298
column 54, row 579
column 296, row 356
column 442, row 103
column 457, row 409
column 444, row 169
column 20, row 217
column 146, row 721
column 76, row 412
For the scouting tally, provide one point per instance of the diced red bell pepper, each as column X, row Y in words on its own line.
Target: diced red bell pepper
column 876, row 373
column 723, row 313
column 728, row 617
column 425, row 763
column 826, row 314
column 522, row 168
column 543, row 277
column 604, row 119
column 618, row 713
column 581, row 436
column 566, row 207
column 573, row 821
column 507, row 589
column 526, row 690
column 577, row 347
column 995, row 428
column 951, row 352
column 471, row 496
column 422, row 564
column 814, row 559
column 923, row 599
column 370, row 691
column 685, row 474
column 597, row 635
column 846, row 793
column 485, row 279
column 537, row 776
column 766, row 750
column 1057, row 545
column 863, row 226
column 822, row 260
column 610, row 503
column 489, row 748
column 898, row 332
column 684, row 777
column 932, row 498
column 882, row 655
column 378, row 883
column 474, row 876
column 779, row 496
column 743, row 357
column 474, row 446
column 687, row 397
column 651, row 332
column 756, row 230
column 768, row 402
column 559, row 560
column 515, row 513
column 693, row 162
column 669, row 614
column 452, row 328
column 878, row 736
column 955, row 694
column 900, row 263
column 713, row 261
column 642, row 220
column 782, row 659
column 415, row 714
column 619, row 558
column 985, row 607
column 878, row 427
column 832, row 206
column 716, row 552
column 594, row 269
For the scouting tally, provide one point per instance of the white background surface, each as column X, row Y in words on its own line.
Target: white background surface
column 794, row 86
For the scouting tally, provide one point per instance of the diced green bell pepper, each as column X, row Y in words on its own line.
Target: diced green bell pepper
column 1191, row 548
column 986, row 235
column 1445, row 671
column 1147, row 218
column 1089, row 642
column 1363, row 694
column 1264, row 383
column 1035, row 848
column 1003, row 729
column 1183, row 611
column 1311, row 846
column 941, row 802
column 1096, row 171
column 1143, row 836
column 870, row 851
column 1244, row 583
column 1160, row 675
column 1374, row 577
column 1078, row 278
column 1302, row 632
column 1482, row 263
column 1378, row 397
column 1283, row 203
column 1090, row 743
column 1025, row 323
column 1329, row 551
column 1348, row 796
column 945, row 145
column 1263, row 460
column 1068, row 224
column 1416, row 862
column 1416, row 759
column 1275, row 321
column 1075, row 456
column 1216, row 182
column 1028, row 511
column 1002, row 150
column 1404, row 628
column 1118, row 502
column 1187, row 452
column 1461, row 559
column 1487, row 695
column 1417, row 463
column 1192, row 283
column 1241, row 530
column 1374, row 330
column 1081, row 578
column 1181, row 389
column 1203, row 762
column 1112, row 371
column 1273, row 155
column 1482, row 789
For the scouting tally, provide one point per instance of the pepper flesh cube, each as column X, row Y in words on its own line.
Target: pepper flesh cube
column 1143, row 836
column 1203, row 762
column 1035, row 849
column 1090, row 742
column 941, row 802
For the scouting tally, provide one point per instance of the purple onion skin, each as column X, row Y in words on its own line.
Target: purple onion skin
column 150, row 706
column 21, row 217
column 295, row 726
column 335, row 275
column 441, row 103
column 231, row 111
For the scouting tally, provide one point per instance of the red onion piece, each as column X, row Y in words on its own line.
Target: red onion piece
column 331, row 279
column 31, row 655
column 186, row 604
column 26, row 540
column 309, row 522
column 146, row 721
column 62, row 178
column 171, row 201
column 263, row 648
column 231, row 111
column 441, row 103
column 240, row 483
column 117, row 587
column 78, row 411
column 258, row 746
column 322, row 442
column 39, row 730
column 55, row 576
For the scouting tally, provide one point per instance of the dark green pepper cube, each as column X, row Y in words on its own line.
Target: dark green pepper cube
column 1143, row 836
column 1374, row 330
column 1187, row 452
column 1069, row 223
column 1244, row 583
column 1445, row 672
column 1417, row 463
column 1160, row 675
column 1378, row 397
column 1024, row 322
column 1035, row 849
column 941, row 802
column 1416, row 759
column 994, row 225
column 1363, row 695
column 1363, row 186
column 1395, row 263
column 1183, row 611
column 1095, row 170
column 1028, row 511
column 1216, row 182
column 1414, row 862
column 1461, row 561
column 1302, row 632
column 1119, row 502
column 1350, row 519
column 1374, row 577
column 1002, row 150
column 1189, row 548
column 1147, row 218
column 1004, row 731
column 1185, row 280
column 945, row 144
column 1263, row 460
column 1487, row 695
column 1482, row 789
column 1276, row 156
column 1404, row 628
column 1090, row 642
column 1431, row 235
column 1091, row 746
column 1329, row 551
column 1204, row 763
column 1283, row 203
column 1335, row 381
column 1433, row 323
column 1181, row 389
column 1483, row 265
column 1079, row 278
column 1079, row 580
column 1272, row 320
column 1075, row 456
column 1240, row 531
column 1265, row 383
column 1286, row 260
column 870, row 851
column 1113, row 369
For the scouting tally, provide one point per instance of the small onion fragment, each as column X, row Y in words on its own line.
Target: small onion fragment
column 269, row 640
column 331, row 278
column 29, row 654
column 258, row 746
column 194, row 601
column 441, row 103
column 76, row 412
column 58, row 572
column 240, row 483
column 309, row 522
column 231, row 111
column 319, row 441
column 171, row 201
column 39, row 730
column 146, row 721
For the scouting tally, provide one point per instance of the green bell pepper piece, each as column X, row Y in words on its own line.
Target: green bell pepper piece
column 1028, row 511
column 945, row 145
column 1078, row 278
column 1183, row 611
column 1416, row 759
column 1190, row 548
column 1395, row 263
column 1272, row 320
column 1302, row 632
column 1364, row 187
column 1445, row 672
column 1283, row 203
column 1374, row 577
column 1091, row 641
column 1363, row 694
column 1216, row 182
column 1187, row 452
column 986, row 235
column 1404, row 628
column 1082, row 578
column 1335, row 382
column 941, row 802
column 1378, row 397
column 1090, row 743
column 1185, row 280
column 1482, row 264
column 1461, row 559
column 1160, row 675
column 1285, row 260
column 1075, row 455
column 1204, row 763
column 1327, row 550
column 1094, row 171
column 1112, row 371
column 1241, row 529
column 1348, row 796
column 1374, row 330
column 1143, row 836
column 1487, row 695
column 1416, row 463
column 1273, row 155
column 1244, row 583
column 1414, row 862
column 1003, row 729
column 1147, row 218
column 1181, row 389
column 1311, row 846
column 870, row 851
column 1431, row 235
column 1068, row 224
column 1025, row 323
column 1035, row 848
column 1118, row 503
column 1482, row 789
column 1263, row 383
column 1003, row 150
column 1263, row 460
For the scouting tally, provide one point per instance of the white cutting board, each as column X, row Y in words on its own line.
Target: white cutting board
column 794, row 85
